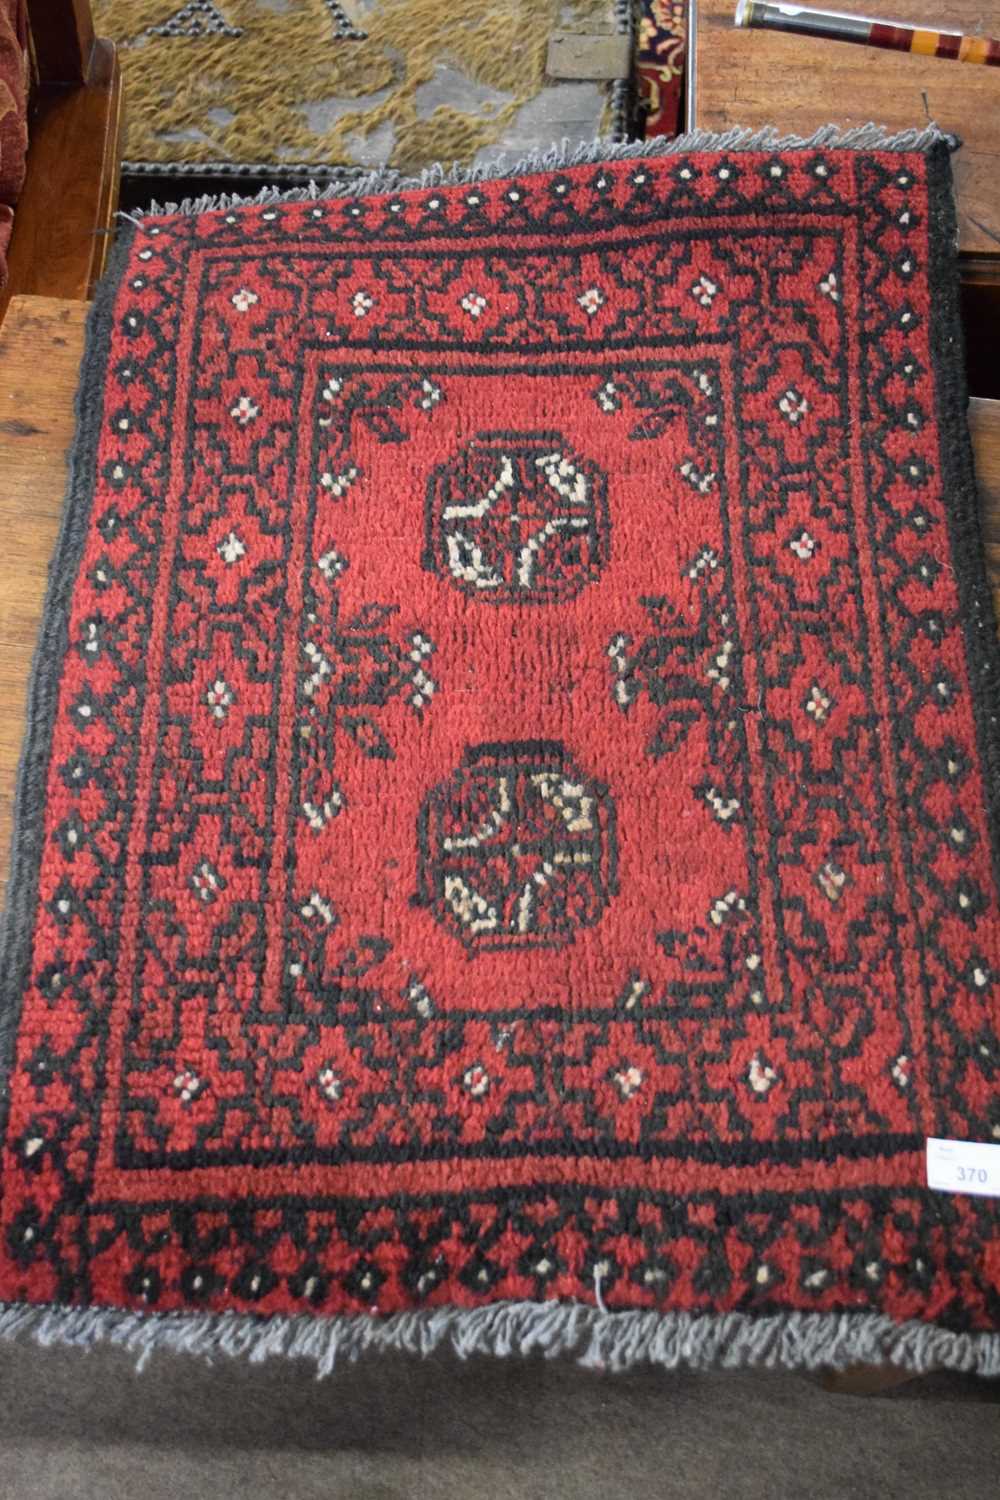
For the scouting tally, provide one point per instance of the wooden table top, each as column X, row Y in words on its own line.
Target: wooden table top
column 41, row 344
column 799, row 83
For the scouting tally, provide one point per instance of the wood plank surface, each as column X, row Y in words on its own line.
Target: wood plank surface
column 41, row 344
column 798, row 83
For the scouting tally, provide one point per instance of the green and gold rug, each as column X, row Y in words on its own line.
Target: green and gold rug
column 289, row 87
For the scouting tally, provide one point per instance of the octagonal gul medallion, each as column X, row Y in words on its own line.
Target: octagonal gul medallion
column 517, row 517
column 517, row 848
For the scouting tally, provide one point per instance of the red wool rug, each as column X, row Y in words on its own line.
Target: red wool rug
column 505, row 847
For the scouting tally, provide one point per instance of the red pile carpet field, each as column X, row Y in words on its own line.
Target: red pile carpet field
column 508, row 816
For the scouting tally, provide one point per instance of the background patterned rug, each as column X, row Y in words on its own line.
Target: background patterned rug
column 659, row 65
column 263, row 85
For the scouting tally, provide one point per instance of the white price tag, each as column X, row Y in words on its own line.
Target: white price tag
column 963, row 1167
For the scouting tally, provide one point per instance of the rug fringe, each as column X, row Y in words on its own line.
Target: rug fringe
column 611, row 1341
column 868, row 137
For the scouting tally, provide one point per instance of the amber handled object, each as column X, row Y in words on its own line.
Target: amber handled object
column 777, row 15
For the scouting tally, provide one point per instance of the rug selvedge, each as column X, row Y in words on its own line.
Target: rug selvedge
column 720, row 1133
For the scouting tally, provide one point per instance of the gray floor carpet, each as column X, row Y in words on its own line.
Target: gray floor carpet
column 75, row 1426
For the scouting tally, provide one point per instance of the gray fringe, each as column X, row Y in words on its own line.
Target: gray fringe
column 868, row 137
column 602, row 1340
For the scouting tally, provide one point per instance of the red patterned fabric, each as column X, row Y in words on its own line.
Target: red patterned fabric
column 507, row 808
column 659, row 65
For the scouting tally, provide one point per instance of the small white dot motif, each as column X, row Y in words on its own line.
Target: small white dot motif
column 186, row 1085
column 361, row 304
column 832, row 881
column 476, row 1081
column 219, row 697
column 760, row 1075
column 704, row 291
column 318, row 910
column 244, row 299
column 331, row 564
column 231, row 549
column 818, row 704
column 628, row 1081
column 424, row 688
column 724, row 906
column 591, row 300
column 803, row 546
column 330, row 1085
column 338, row 484
column 244, row 411
column 474, row 304
column 793, row 405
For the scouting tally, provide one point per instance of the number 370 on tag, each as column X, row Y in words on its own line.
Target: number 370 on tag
column 963, row 1167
